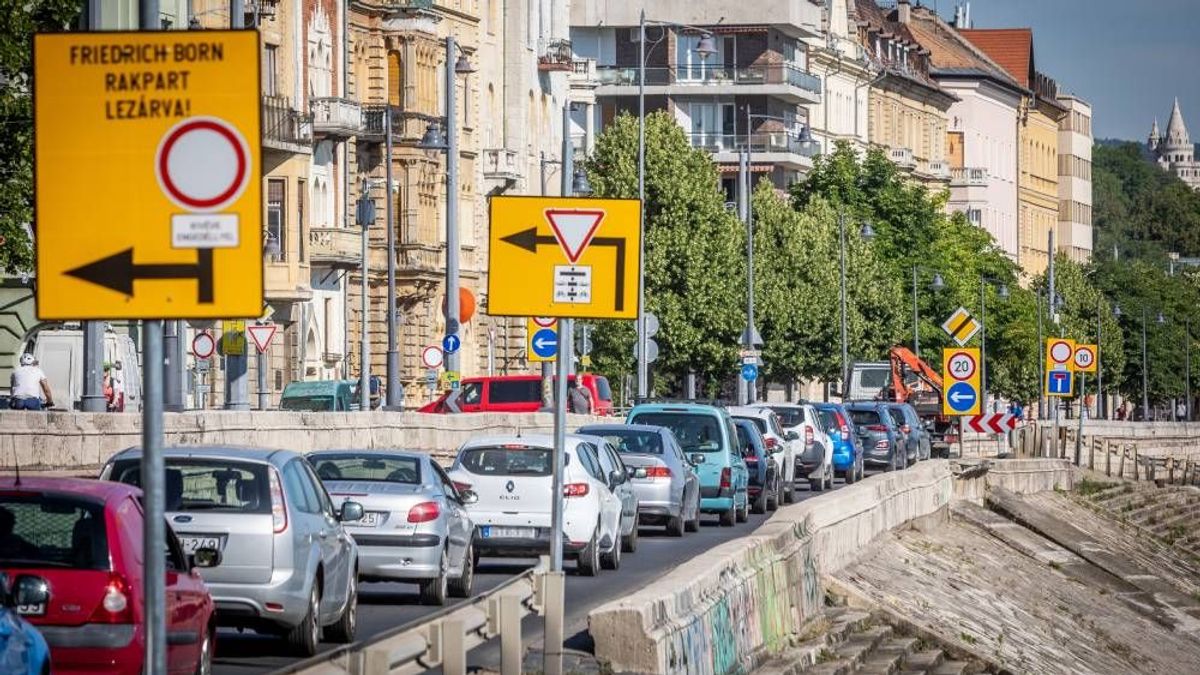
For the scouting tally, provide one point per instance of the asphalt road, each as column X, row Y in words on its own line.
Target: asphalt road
column 386, row 605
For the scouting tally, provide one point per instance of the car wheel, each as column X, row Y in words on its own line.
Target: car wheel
column 789, row 492
column 728, row 517
column 760, row 504
column 343, row 631
column 743, row 514
column 589, row 558
column 773, row 500
column 612, row 559
column 460, row 586
column 629, row 542
column 305, row 636
column 203, row 664
column 434, row 591
column 693, row 525
column 675, row 525
column 848, row 476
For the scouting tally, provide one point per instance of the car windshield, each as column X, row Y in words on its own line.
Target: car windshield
column 789, row 417
column 367, row 467
column 307, row 403
column 864, row 417
column 506, row 461
column 631, row 441
column 207, row 484
column 697, row 432
column 61, row 531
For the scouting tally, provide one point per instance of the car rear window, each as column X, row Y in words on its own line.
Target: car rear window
column 790, row 417
column 207, row 484
column 864, row 417
column 307, row 403
column 367, row 467
column 829, row 418
column 632, row 441
column 874, row 378
column 758, row 422
column 746, row 440
column 697, row 432
column 603, row 389
column 515, row 391
column 60, row 531
column 497, row 461
column 897, row 416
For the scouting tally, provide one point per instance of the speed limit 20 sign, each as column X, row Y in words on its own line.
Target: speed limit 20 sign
column 960, row 380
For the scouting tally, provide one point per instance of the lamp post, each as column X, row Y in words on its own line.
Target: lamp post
column 364, row 216
column 705, row 48
column 936, row 285
column 1160, row 320
column 395, row 393
column 1002, row 291
column 1187, row 369
column 867, row 233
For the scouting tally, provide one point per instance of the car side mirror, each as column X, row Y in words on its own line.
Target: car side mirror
column 696, row 458
column 615, row 478
column 30, row 591
column 792, row 436
column 5, row 598
column 206, row 557
column 351, row 512
column 468, row 496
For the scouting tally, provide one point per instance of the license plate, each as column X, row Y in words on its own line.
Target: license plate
column 191, row 544
column 32, row 610
column 370, row 519
column 494, row 532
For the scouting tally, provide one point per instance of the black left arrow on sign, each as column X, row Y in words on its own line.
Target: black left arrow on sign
column 117, row 272
column 530, row 240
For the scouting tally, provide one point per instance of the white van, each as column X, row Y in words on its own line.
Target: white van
column 59, row 352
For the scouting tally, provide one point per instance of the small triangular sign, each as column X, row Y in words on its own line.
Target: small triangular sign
column 261, row 334
column 574, row 229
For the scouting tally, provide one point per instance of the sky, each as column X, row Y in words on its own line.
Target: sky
column 1128, row 58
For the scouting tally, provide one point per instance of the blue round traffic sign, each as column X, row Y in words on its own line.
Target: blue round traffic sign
column 749, row 372
column 545, row 343
column 451, row 343
column 962, row 397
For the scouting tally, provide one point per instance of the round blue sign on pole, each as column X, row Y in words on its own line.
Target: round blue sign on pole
column 962, row 396
column 749, row 372
column 545, row 343
column 451, row 343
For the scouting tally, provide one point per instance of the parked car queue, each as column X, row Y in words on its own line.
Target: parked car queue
column 278, row 542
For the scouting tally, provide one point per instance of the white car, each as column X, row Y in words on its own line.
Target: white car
column 785, row 444
column 814, row 460
column 511, row 476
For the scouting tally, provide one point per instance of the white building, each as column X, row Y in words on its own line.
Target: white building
column 1075, row 179
column 1175, row 152
column 840, row 61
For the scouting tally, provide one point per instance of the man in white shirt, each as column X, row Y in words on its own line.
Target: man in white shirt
column 30, row 390
column 118, row 385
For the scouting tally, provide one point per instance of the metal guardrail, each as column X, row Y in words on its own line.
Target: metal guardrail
column 442, row 639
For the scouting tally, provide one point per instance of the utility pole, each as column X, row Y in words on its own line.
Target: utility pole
column 452, row 274
column 395, row 393
column 237, row 395
column 548, row 366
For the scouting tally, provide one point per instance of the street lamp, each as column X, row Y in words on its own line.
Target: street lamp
column 1160, row 320
column 705, row 48
column 867, row 233
column 936, row 286
column 1002, row 291
column 436, row 140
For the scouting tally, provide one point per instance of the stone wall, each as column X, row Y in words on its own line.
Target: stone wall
column 70, row 441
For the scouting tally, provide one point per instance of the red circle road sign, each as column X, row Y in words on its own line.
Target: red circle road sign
column 432, row 357
column 1060, row 351
column 1084, row 357
column 961, row 366
column 204, row 345
column 545, row 321
column 203, row 164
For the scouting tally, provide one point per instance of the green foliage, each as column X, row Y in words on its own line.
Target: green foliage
column 18, row 22
column 1141, row 209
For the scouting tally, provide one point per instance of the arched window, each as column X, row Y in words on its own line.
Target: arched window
column 395, row 90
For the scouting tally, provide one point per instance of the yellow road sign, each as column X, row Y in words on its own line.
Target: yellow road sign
column 233, row 337
column 563, row 257
column 961, row 381
column 961, row 326
column 1084, row 360
column 1060, row 354
column 541, row 339
column 148, row 175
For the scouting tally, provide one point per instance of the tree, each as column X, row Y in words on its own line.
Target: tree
column 18, row 22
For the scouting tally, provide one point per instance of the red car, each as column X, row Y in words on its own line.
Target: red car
column 517, row 394
column 77, row 545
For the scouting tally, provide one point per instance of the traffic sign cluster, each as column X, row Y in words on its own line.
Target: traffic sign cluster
column 1064, row 360
column 960, row 373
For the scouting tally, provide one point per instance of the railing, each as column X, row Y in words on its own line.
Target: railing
column 335, row 244
column 444, row 637
column 902, row 157
column 406, row 125
column 262, row 9
column 556, row 55
column 501, row 163
column 968, row 177
column 941, row 169
column 336, row 116
column 283, row 125
column 712, row 75
column 408, row 5
column 762, row 141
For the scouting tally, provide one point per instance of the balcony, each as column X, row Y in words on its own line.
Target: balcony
column 336, row 118
column 285, row 129
column 902, row 157
column 781, row 80
column 968, row 177
column 782, row 148
column 501, row 164
column 939, row 169
column 405, row 6
column 555, row 56
column 260, row 9
column 407, row 127
column 335, row 246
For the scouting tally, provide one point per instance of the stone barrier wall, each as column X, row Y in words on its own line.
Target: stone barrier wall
column 749, row 598
column 69, row 441
column 1126, row 429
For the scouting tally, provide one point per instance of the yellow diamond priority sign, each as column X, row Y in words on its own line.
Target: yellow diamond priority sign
column 148, row 175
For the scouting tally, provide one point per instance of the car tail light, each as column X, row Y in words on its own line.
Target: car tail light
column 808, row 435
column 461, row 486
column 116, row 606
column 278, row 504
column 423, row 512
column 876, row 427
column 658, row 472
column 575, row 490
column 752, row 461
column 772, row 443
column 841, row 420
column 726, row 478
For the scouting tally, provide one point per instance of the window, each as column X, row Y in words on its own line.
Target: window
column 270, row 84
column 297, row 489
column 211, row 485
column 696, row 432
column 315, row 484
column 38, row 530
column 514, row 391
column 634, row 441
column 276, row 220
column 789, row 417
column 587, row 457
column 371, row 467
column 514, row 461
column 300, row 219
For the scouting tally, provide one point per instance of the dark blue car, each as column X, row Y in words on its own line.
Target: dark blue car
column 847, row 445
column 22, row 647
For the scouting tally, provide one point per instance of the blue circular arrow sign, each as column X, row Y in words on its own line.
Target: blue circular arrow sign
column 545, row 343
column 749, row 372
column 962, row 397
column 451, row 343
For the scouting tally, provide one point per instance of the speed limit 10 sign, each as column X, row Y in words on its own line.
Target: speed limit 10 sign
column 1084, row 360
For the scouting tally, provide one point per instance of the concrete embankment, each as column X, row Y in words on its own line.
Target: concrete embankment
column 749, row 598
column 71, row 441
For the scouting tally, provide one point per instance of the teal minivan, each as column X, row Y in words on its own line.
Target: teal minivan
column 320, row 396
column 709, row 438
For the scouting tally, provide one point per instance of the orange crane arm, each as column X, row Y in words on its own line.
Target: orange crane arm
column 902, row 357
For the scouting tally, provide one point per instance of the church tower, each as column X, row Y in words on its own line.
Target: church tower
column 1154, row 137
column 1174, row 150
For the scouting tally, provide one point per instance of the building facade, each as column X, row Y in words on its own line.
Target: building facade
column 1174, row 152
column 1075, row 236
column 839, row 59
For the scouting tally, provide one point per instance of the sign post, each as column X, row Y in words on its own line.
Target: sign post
column 151, row 139
column 1083, row 361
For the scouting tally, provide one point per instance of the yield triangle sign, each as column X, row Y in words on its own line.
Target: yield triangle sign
column 261, row 333
column 574, row 229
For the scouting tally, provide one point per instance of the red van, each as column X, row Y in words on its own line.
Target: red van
column 517, row 393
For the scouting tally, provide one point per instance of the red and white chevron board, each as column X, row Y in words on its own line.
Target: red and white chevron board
column 995, row 423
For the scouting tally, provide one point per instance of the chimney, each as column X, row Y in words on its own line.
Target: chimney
column 903, row 11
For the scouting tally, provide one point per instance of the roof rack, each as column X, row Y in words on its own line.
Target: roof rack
column 720, row 403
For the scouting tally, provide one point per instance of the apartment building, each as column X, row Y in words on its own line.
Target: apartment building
column 1075, row 236
column 747, row 86
column 839, row 60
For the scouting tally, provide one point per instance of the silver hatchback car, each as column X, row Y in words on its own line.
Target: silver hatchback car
column 415, row 527
column 288, row 566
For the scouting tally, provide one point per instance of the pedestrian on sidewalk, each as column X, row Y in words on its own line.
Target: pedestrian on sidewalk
column 29, row 388
column 579, row 399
